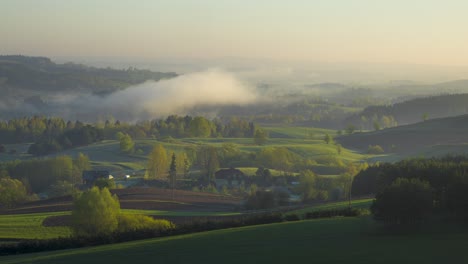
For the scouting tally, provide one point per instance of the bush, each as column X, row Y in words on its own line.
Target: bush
column 260, row 200
column 375, row 150
column 336, row 212
column 128, row 222
column 292, row 217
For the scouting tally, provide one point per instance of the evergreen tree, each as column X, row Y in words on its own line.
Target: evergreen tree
column 173, row 171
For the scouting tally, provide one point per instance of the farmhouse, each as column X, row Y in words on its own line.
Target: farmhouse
column 89, row 177
column 228, row 177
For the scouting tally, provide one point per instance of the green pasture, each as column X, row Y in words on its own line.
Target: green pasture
column 304, row 141
column 335, row 240
column 299, row 132
column 177, row 213
column 29, row 226
column 359, row 203
column 249, row 171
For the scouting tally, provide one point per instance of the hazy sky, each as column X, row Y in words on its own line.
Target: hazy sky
column 382, row 31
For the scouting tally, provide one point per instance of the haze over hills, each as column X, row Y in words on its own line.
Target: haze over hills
column 39, row 86
column 222, row 131
column 409, row 138
column 413, row 110
column 40, row 74
column 36, row 85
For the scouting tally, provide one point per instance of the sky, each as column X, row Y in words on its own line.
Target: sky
column 423, row 32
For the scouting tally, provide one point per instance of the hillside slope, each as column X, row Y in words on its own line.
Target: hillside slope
column 412, row 111
column 338, row 240
column 41, row 74
column 442, row 131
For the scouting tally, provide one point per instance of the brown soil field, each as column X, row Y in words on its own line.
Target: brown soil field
column 143, row 199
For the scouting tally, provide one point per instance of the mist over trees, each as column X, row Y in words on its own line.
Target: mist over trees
column 411, row 111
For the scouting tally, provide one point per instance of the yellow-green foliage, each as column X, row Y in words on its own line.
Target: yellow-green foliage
column 307, row 186
column 331, row 160
column 157, row 162
column 95, row 212
column 30, row 226
column 279, row 158
column 11, row 192
column 131, row 222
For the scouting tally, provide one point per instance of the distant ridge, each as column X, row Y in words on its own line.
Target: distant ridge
column 414, row 110
column 38, row 74
column 441, row 131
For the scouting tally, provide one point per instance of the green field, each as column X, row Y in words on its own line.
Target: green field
column 29, row 226
column 304, row 141
column 336, row 240
column 178, row 213
column 360, row 203
column 433, row 137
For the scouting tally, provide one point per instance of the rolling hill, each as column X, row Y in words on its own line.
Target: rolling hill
column 413, row 111
column 35, row 85
column 450, row 131
column 336, row 240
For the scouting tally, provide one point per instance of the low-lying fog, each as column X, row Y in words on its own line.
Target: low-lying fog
column 239, row 82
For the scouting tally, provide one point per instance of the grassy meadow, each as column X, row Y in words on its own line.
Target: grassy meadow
column 29, row 226
column 304, row 141
column 335, row 240
column 359, row 203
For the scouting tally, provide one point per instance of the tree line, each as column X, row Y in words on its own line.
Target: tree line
column 408, row 190
column 56, row 176
column 54, row 134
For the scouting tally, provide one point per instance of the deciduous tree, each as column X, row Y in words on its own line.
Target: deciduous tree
column 95, row 212
column 157, row 162
column 260, row 136
column 327, row 138
column 126, row 144
column 12, row 192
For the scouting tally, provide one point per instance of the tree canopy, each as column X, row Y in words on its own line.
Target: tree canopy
column 12, row 192
column 157, row 162
column 95, row 212
column 260, row 136
column 404, row 201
